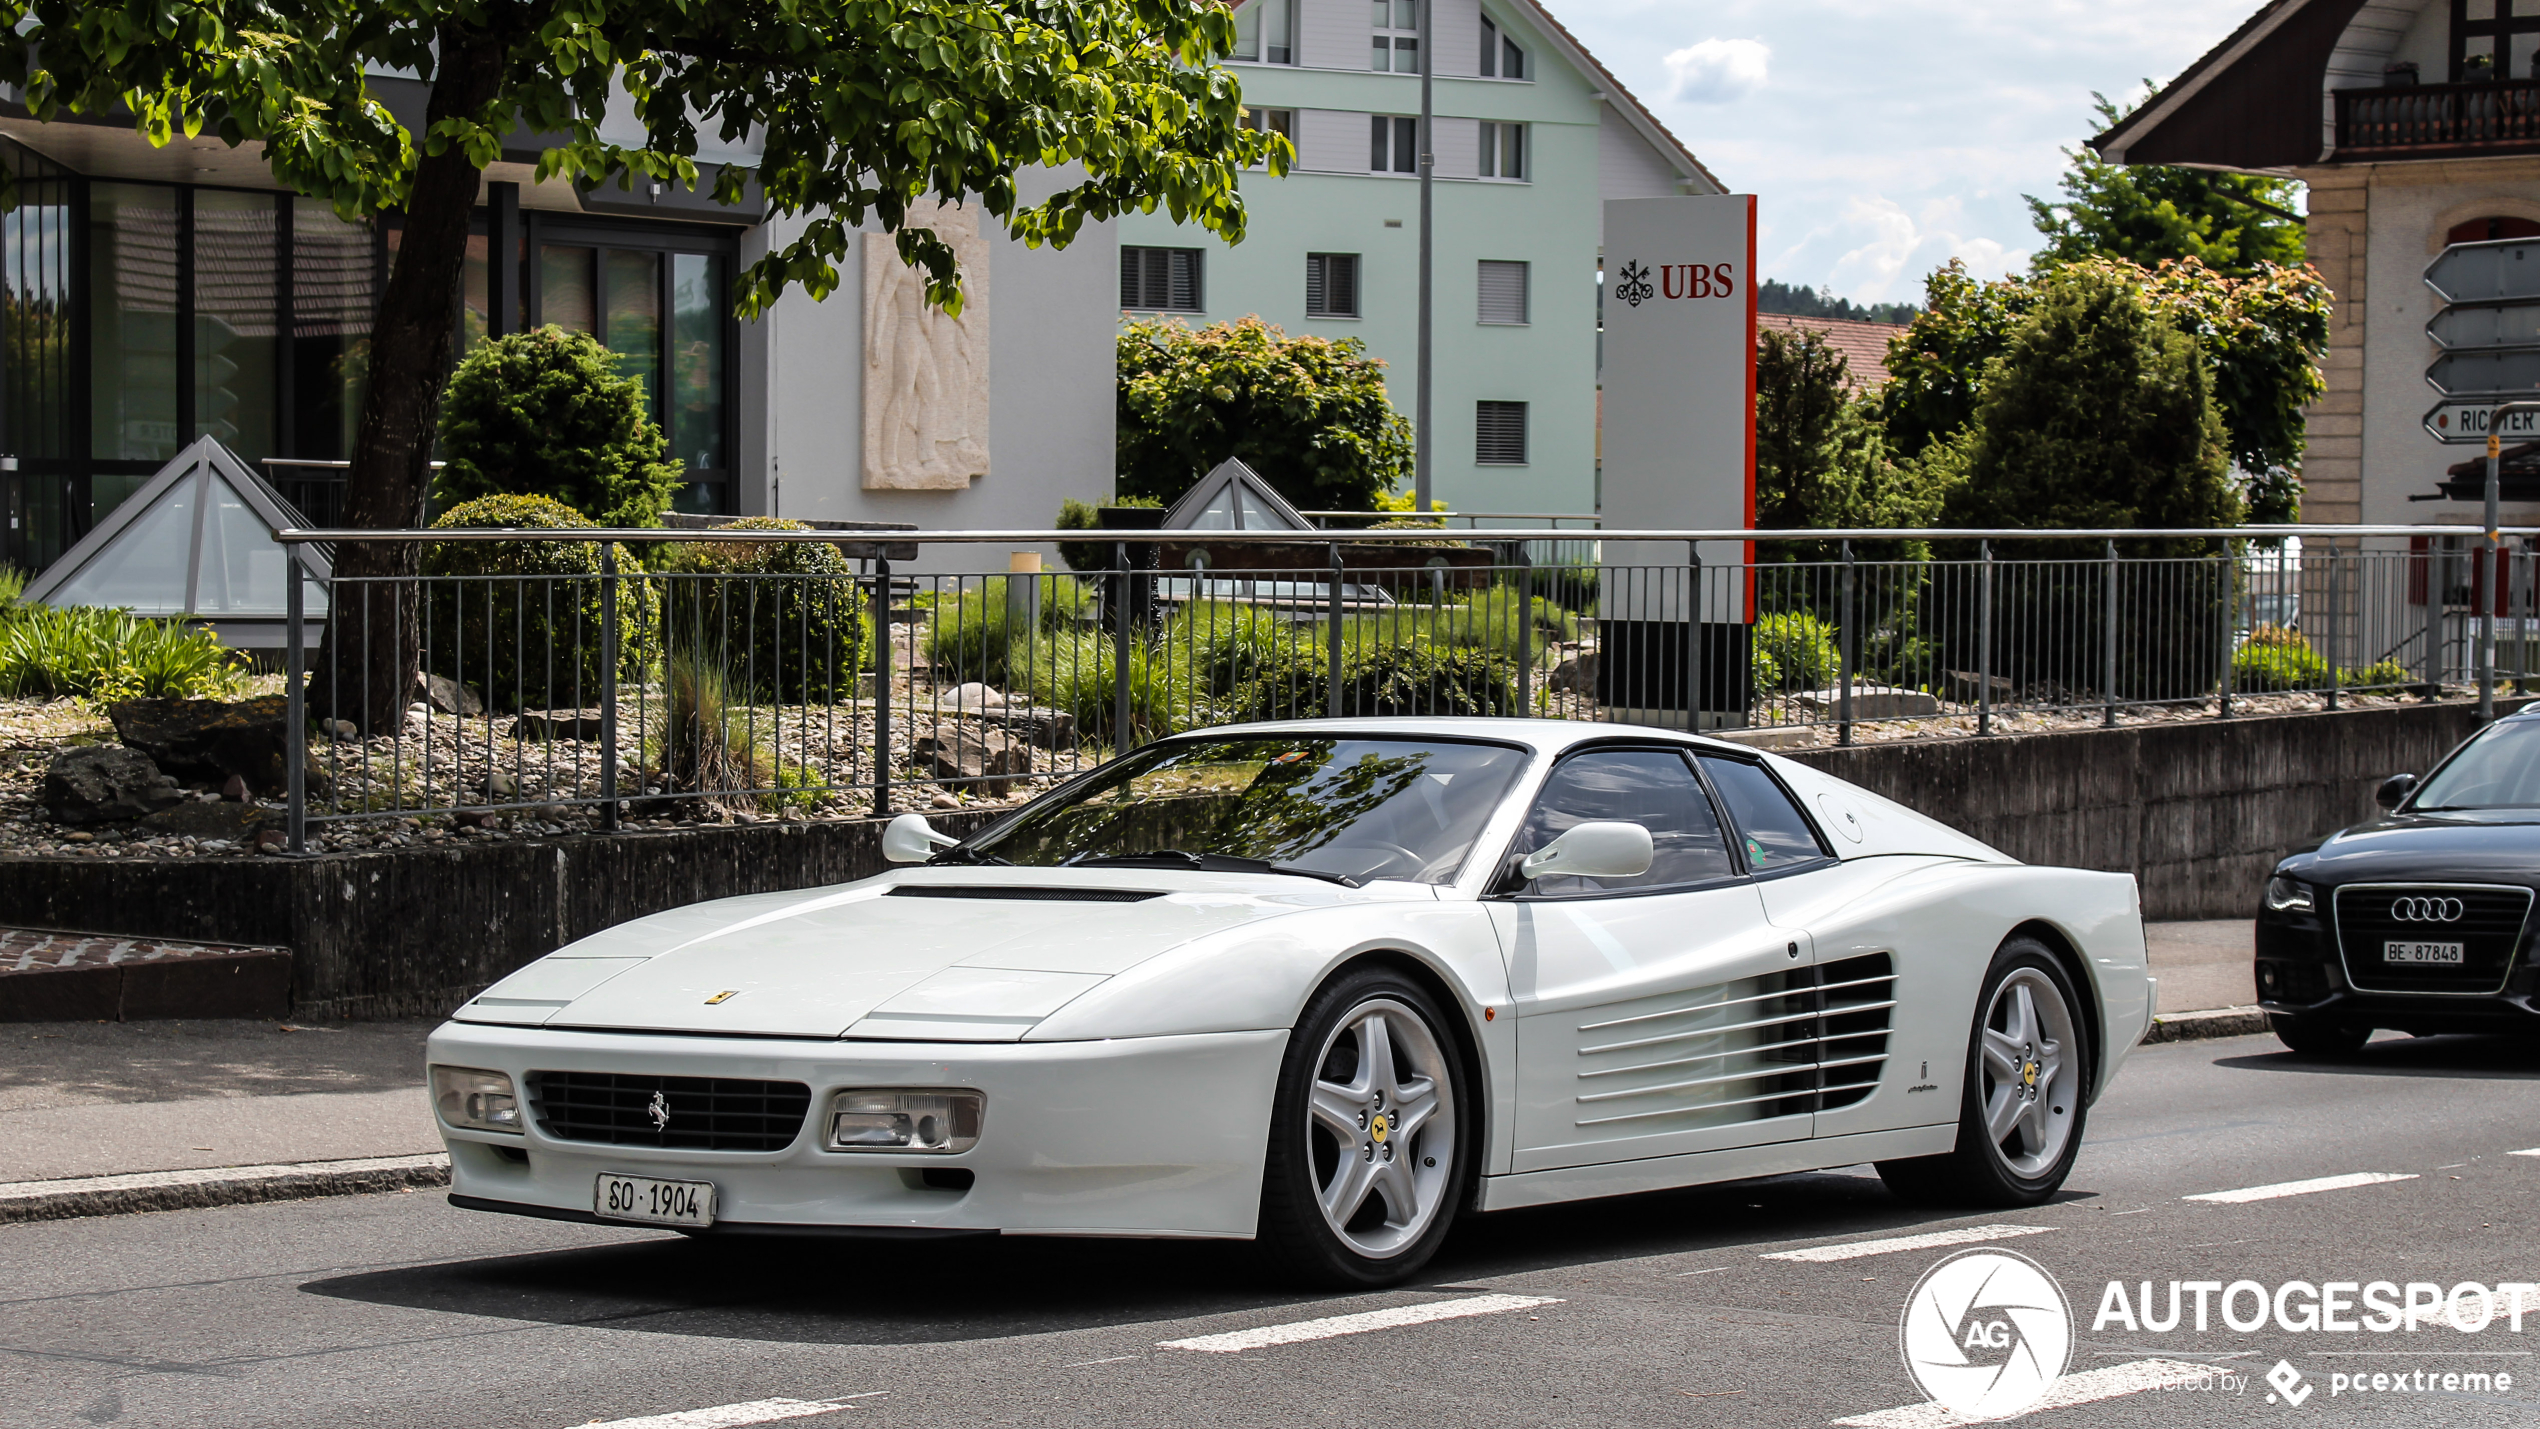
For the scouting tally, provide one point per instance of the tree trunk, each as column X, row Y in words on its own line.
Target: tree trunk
column 369, row 669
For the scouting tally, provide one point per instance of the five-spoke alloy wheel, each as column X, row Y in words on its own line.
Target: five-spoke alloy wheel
column 1366, row 1164
column 2027, row 1091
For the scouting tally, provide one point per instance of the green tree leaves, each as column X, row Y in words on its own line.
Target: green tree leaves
column 2150, row 213
column 545, row 413
column 1307, row 413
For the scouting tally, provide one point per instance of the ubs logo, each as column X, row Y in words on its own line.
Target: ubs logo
column 1675, row 280
column 2427, row 910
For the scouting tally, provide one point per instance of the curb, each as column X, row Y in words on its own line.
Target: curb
column 218, row 1186
column 2197, row 1026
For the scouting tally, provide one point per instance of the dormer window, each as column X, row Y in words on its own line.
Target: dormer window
column 2495, row 39
column 1502, row 59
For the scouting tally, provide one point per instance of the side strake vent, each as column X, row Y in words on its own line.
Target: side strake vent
column 1013, row 893
column 1784, row 1044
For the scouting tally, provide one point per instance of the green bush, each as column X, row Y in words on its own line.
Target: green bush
column 1074, row 515
column 2379, row 675
column 1223, row 647
column 969, row 639
column 12, row 588
column 106, row 655
column 2274, row 658
column 1382, row 679
column 1795, row 651
column 1072, row 671
column 520, row 621
column 546, row 413
column 1308, row 413
column 786, row 620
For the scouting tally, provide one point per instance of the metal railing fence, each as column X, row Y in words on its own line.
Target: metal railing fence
column 589, row 678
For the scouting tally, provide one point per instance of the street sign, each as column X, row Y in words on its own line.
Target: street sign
column 2487, row 370
column 2462, row 421
column 2499, row 271
column 2486, row 325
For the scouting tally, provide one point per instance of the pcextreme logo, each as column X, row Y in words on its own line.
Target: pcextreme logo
column 1985, row 1332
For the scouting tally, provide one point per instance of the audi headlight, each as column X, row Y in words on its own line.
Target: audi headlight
column 2289, row 895
column 934, row 1122
column 476, row 1100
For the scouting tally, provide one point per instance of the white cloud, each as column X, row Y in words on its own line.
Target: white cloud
column 1717, row 71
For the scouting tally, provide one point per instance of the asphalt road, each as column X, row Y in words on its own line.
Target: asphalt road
column 388, row 1311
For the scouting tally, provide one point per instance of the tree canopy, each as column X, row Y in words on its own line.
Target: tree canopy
column 1307, row 413
column 2150, row 213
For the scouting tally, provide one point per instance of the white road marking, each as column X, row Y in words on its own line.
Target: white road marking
column 1115, row 1359
column 726, row 1416
column 2534, row 1151
column 2087, row 1387
column 1714, row 1270
column 1964, row 1235
column 2300, row 1188
column 1360, row 1324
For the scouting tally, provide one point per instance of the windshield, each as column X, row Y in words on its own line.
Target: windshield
column 2498, row 770
column 1360, row 808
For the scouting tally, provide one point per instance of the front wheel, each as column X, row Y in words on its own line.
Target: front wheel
column 2318, row 1037
column 1369, row 1136
column 2027, row 1082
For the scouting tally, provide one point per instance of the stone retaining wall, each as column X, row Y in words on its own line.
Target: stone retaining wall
column 2198, row 809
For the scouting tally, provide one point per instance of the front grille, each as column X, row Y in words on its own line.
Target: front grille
column 2489, row 929
column 700, row 1113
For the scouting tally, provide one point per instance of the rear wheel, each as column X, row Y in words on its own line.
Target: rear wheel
column 2027, row 1081
column 2317, row 1036
column 1369, row 1138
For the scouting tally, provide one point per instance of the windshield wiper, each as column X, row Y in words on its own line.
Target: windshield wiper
column 963, row 853
column 1206, row 863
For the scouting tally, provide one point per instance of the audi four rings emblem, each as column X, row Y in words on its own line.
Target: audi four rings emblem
column 2427, row 910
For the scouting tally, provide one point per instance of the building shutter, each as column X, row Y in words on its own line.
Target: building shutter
column 1499, row 433
column 1160, row 279
column 1331, row 285
column 1502, row 287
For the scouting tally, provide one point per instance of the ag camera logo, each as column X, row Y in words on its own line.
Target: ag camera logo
column 1985, row 1333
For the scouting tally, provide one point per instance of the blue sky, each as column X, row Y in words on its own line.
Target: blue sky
column 1887, row 136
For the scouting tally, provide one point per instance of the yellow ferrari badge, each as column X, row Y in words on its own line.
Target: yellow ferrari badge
column 1378, row 1128
column 724, row 996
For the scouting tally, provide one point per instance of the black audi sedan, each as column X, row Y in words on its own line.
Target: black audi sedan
column 2419, row 920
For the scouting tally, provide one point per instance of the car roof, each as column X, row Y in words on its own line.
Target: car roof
column 1548, row 736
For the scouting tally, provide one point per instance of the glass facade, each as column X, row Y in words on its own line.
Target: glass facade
column 135, row 317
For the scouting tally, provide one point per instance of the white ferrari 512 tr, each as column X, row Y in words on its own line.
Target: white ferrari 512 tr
column 1327, row 984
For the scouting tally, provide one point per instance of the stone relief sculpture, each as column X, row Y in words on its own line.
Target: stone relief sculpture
column 925, row 374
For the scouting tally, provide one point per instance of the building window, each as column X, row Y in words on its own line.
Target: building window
column 1265, row 32
column 1502, row 286
column 1503, row 151
column 1160, row 280
column 1501, row 59
column 1499, row 433
column 1331, row 285
column 2495, row 39
column 1393, row 144
column 1396, row 45
column 1281, row 122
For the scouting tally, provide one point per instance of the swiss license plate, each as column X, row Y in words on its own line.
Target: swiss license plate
column 662, row 1203
column 2441, row 953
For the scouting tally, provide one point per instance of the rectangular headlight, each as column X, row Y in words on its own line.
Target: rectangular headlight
column 2289, row 895
column 475, row 1100
column 930, row 1121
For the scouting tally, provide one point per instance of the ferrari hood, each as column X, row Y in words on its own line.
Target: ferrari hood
column 936, row 954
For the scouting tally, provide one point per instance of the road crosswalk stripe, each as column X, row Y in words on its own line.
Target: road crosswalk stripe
column 2534, row 1151
column 2087, row 1387
column 2300, row 1188
column 1963, row 1235
column 1359, row 1324
column 730, row 1416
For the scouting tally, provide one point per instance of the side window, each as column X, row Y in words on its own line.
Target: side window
column 1650, row 787
column 1777, row 835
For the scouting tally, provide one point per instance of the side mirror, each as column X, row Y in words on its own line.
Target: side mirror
column 910, row 839
column 1605, row 849
column 2394, row 789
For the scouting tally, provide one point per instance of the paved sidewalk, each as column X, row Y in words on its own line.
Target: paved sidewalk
column 2204, row 965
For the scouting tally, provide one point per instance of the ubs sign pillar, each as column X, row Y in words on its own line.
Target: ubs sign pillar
column 1679, row 453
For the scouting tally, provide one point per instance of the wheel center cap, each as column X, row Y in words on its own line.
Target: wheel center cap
column 1379, row 1128
column 2028, row 1074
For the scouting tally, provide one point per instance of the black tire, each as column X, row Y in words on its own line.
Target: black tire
column 1296, row 1237
column 2317, row 1036
column 1978, row 1171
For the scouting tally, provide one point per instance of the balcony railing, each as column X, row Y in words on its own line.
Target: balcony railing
column 2429, row 119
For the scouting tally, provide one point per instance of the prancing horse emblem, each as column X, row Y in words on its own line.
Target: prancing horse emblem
column 659, row 1111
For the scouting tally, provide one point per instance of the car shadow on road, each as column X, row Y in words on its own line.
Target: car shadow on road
column 883, row 1292
column 2457, row 1055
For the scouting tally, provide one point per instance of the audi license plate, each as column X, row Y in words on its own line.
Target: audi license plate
column 2447, row 954
column 661, row 1203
